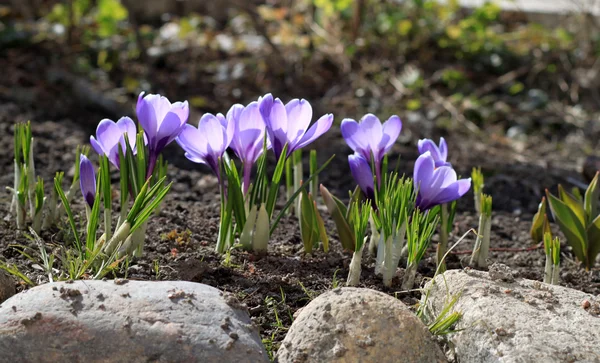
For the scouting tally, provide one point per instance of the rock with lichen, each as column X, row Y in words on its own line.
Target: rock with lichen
column 127, row 321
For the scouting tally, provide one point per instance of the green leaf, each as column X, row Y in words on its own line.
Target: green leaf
column 307, row 221
column 338, row 213
column 591, row 199
column 537, row 226
column 573, row 204
column 593, row 235
column 92, row 223
column 274, row 187
column 320, row 224
column 297, row 192
column 569, row 224
column 65, row 202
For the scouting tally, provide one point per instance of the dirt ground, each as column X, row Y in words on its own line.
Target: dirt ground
column 181, row 239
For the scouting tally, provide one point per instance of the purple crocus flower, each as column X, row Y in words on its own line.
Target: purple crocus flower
column 248, row 136
column 110, row 134
column 87, row 180
column 289, row 123
column 439, row 154
column 361, row 171
column 436, row 185
column 369, row 137
column 207, row 143
column 162, row 122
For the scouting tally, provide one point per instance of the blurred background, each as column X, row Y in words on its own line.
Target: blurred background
column 513, row 85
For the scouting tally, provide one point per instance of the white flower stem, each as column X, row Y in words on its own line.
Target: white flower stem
column 408, row 281
column 355, row 268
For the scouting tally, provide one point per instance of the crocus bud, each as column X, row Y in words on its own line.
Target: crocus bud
column 87, row 180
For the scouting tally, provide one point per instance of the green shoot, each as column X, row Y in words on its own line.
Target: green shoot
column 359, row 221
column 552, row 268
column 418, row 236
column 478, row 184
column 482, row 243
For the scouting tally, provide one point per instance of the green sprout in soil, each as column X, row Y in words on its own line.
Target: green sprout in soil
column 482, row 243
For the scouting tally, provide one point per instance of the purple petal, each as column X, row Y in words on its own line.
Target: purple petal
column 423, row 172
column 169, row 129
column 126, row 125
column 299, row 115
column 96, row 146
column 356, row 140
column 193, row 141
column 438, row 155
column 108, row 134
column 228, row 126
column 181, row 109
column 87, row 180
column 391, row 131
column 443, row 149
column 372, row 130
column 361, row 172
column 249, row 133
column 216, row 135
column 453, row 191
column 276, row 121
column 319, row 128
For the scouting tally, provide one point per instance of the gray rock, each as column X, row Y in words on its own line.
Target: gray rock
column 7, row 286
column 358, row 325
column 517, row 321
column 127, row 321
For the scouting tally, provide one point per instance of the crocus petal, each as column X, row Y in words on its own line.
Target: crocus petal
column 108, row 134
column 443, row 149
column 126, row 125
column 276, row 122
column 299, row 115
column 391, row 131
column 96, row 145
column 453, row 192
column 169, row 129
column 439, row 154
column 372, row 130
column 228, row 126
column 319, row 128
column 147, row 118
column 87, row 180
column 250, row 129
column 361, row 172
column 356, row 140
column 181, row 109
column 215, row 134
column 193, row 141
column 423, row 172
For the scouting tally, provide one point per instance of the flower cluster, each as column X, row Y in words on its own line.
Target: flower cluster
column 402, row 212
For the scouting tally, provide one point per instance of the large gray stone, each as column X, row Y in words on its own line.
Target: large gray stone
column 7, row 286
column 127, row 321
column 358, row 325
column 508, row 319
